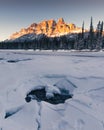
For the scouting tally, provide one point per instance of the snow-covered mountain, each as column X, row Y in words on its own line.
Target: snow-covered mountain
column 50, row 28
column 27, row 37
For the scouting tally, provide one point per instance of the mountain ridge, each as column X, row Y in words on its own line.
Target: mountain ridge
column 50, row 28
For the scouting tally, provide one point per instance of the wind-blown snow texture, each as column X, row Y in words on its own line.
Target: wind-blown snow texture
column 81, row 73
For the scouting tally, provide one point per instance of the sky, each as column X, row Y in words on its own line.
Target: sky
column 17, row 14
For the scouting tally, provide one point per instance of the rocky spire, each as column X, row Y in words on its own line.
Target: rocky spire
column 60, row 21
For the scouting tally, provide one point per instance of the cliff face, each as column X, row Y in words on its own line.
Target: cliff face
column 48, row 27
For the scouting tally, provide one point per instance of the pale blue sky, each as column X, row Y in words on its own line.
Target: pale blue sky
column 17, row 14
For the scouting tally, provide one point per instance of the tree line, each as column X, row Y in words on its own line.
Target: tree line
column 92, row 39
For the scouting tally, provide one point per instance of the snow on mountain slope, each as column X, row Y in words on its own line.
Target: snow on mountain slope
column 81, row 73
column 27, row 37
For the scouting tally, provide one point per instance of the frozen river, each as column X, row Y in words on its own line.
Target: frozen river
column 79, row 73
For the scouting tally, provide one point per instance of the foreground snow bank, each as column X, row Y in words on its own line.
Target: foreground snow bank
column 81, row 74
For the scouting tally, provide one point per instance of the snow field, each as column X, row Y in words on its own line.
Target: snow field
column 81, row 73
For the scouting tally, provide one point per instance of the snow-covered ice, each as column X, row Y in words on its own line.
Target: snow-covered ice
column 81, row 73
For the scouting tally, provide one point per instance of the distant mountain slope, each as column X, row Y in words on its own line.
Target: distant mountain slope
column 50, row 28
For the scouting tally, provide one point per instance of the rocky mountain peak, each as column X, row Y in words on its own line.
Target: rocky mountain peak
column 50, row 28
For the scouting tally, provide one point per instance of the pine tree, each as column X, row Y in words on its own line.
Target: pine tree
column 91, row 29
column 91, row 35
column 98, row 29
column 83, row 30
column 99, row 36
column 101, row 30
